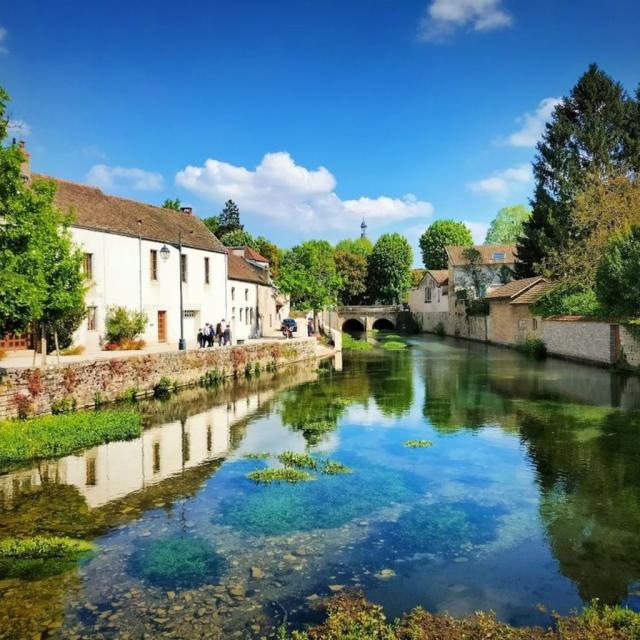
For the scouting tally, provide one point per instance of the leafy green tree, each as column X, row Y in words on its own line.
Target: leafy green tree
column 238, row 238
column 212, row 223
column 416, row 277
column 618, row 275
column 506, row 227
column 272, row 253
column 352, row 269
column 591, row 130
column 172, row 203
column 229, row 218
column 308, row 274
column 362, row 246
column 441, row 234
column 389, row 269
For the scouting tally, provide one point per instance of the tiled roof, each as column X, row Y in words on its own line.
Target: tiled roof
column 251, row 254
column 100, row 212
column 441, row 276
column 240, row 269
column 532, row 295
column 487, row 253
column 514, row 288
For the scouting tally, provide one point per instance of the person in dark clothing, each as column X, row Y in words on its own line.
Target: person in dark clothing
column 219, row 333
column 200, row 338
column 227, row 335
column 211, row 335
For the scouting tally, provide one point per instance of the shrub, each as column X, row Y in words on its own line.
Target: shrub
column 64, row 406
column 98, row 399
column 24, row 405
column 439, row 330
column 568, row 299
column 533, row 347
column 128, row 395
column 618, row 275
column 210, row 378
column 122, row 324
column 163, row 388
column 54, row 436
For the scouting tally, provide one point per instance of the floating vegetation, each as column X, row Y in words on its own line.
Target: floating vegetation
column 418, row 444
column 267, row 476
column 297, row 460
column 177, row 561
column 349, row 343
column 393, row 345
column 40, row 557
column 333, row 468
column 257, row 456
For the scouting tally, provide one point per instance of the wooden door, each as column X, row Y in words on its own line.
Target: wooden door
column 162, row 326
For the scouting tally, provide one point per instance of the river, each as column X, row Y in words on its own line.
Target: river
column 527, row 502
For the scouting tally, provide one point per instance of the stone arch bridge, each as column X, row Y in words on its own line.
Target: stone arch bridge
column 364, row 318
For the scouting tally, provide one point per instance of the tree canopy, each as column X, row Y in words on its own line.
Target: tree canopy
column 172, row 203
column 506, row 227
column 229, row 218
column 352, row 269
column 238, row 238
column 440, row 234
column 213, row 224
column 390, row 269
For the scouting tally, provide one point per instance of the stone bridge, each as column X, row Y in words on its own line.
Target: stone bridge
column 363, row 318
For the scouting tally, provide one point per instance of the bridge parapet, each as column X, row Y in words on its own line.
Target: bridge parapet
column 370, row 309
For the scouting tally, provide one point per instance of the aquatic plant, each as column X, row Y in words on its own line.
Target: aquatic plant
column 298, row 460
column 210, row 378
column 65, row 405
column 177, row 561
column 332, row 468
column 533, row 347
column 286, row 474
column 350, row 616
column 128, row 395
column 248, row 370
column 418, row 444
column 349, row 343
column 163, row 388
column 256, row 456
column 52, row 436
column 394, row 345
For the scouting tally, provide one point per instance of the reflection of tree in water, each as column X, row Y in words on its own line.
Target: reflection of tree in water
column 391, row 382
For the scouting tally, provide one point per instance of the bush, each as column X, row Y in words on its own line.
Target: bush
column 54, row 436
column 533, row 347
column 122, row 324
column 618, row 275
column 128, row 395
column 163, row 388
column 210, row 378
column 568, row 299
column 64, row 406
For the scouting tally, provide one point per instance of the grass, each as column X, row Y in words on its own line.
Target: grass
column 351, row 617
column 333, row 468
column 297, row 460
column 418, row 444
column 54, row 436
column 393, row 345
column 268, row 476
column 39, row 547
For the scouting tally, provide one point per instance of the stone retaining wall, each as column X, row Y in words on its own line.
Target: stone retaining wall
column 38, row 389
column 458, row 326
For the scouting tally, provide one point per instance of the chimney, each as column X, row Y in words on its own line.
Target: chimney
column 187, row 210
column 25, row 167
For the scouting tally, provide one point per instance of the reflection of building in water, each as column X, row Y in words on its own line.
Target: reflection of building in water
column 113, row 470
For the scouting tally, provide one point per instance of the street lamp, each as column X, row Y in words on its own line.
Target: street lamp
column 164, row 254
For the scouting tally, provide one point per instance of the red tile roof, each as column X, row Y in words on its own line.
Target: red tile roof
column 487, row 254
column 441, row 276
column 240, row 269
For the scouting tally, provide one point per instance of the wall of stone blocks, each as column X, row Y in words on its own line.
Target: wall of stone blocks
column 581, row 340
column 108, row 378
column 630, row 347
column 455, row 325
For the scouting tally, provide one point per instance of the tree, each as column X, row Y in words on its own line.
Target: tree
column 272, row 253
column 172, row 203
column 591, row 130
column 229, row 218
column 416, row 277
column 506, row 227
column 441, row 234
column 308, row 274
column 618, row 275
column 212, row 223
column 238, row 238
column 389, row 269
column 352, row 269
column 361, row 246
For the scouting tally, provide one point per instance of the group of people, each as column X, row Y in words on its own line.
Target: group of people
column 209, row 335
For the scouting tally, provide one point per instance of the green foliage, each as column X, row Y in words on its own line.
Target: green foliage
column 418, row 444
column 349, row 343
column 213, row 224
column 41, row 547
column 394, row 345
column 54, row 436
column 211, row 378
column 308, row 274
column 98, row 399
column 172, row 203
column 591, row 131
column 568, row 299
column 272, row 253
column 333, row 468
column 248, row 370
column 352, row 269
column 177, row 562
column 361, row 246
column 286, row 474
column 389, row 269
column 229, row 218
column 64, row 406
column 618, row 275
column 297, row 460
column 128, row 395
column 257, row 456
column 534, row 348
column 441, row 234
column 238, row 238
column 506, row 227
column 124, row 324
column 163, row 388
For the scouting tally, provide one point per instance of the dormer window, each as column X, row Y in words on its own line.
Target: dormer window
column 499, row 256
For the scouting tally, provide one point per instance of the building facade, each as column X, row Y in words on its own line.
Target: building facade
column 432, row 293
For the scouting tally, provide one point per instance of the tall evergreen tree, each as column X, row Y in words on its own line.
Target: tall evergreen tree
column 590, row 131
column 229, row 219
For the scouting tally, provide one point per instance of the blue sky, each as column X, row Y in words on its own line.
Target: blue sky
column 310, row 114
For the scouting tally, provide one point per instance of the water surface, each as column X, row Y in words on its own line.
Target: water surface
column 527, row 502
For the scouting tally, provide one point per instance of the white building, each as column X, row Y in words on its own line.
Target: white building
column 432, row 293
column 131, row 258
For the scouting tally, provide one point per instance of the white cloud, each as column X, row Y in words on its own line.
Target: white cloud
column 478, row 230
column 105, row 177
column 504, row 183
column 443, row 17
column 532, row 124
column 288, row 193
column 16, row 127
column 3, row 36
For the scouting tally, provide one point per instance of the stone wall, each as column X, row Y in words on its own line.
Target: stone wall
column 582, row 340
column 512, row 323
column 109, row 378
column 455, row 325
column 629, row 347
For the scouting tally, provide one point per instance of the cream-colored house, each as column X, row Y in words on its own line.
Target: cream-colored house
column 432, row 293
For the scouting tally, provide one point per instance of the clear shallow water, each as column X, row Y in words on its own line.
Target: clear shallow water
column 529, row 496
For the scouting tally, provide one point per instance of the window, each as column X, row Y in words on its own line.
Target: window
column 240, row 314
column 233, row 293
column 153, row 264
column 87, row 265
column 92, row 320
column 535, row 324
column 189, row 314
column 499, row 256
column 246, row 315
column 206, row 270
column 427, row 294
column 522, row 324
column 246, row 294
column 445, row 291
column 233, row 315
column 183, row 267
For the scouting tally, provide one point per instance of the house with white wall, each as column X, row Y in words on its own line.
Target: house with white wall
column 132, row 259
column 432, row 293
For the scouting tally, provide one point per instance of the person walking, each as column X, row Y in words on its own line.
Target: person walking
column 200, row 338
column 219, row 333
column 210, row 335
column 309, row 327
column 227, row 336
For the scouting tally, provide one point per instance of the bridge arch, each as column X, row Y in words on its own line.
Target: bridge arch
column 383, row 324
column 353, row 325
